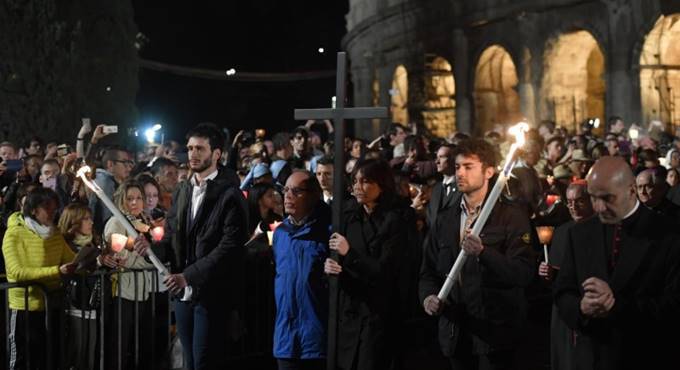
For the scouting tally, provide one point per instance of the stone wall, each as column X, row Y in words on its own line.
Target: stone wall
column 384, row 34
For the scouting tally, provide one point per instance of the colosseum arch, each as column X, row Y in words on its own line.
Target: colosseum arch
column 660, row 72
column 439, row 114
column 573, row 86
column 495, row 90
column 399, row 96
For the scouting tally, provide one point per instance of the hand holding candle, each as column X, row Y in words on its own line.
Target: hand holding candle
column 545, row 234
column 131, row 232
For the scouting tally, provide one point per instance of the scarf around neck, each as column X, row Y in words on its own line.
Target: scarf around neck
column 43, row 231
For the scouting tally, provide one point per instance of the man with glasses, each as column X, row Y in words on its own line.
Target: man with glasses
column 580, row 209
column 116, row 166
column 300, row 248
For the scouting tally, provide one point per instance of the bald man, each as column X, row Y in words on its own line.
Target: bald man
column 618, row 287
column 651, row 190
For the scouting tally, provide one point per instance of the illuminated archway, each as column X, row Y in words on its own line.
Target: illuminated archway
column 573, row 86
column 439, row 114
column 496, row 98
column 399, row 96
column 660, row 72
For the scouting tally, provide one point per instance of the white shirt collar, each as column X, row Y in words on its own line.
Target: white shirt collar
column 637, row 205
column 448, row 179
column 195, row 182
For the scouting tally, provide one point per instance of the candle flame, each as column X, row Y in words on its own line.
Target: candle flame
column 118, row 242
column 273, row 226
column 157, row 233
column 518, row 131
column 83, row 171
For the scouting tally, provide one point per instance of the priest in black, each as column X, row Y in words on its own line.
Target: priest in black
column 618, row 285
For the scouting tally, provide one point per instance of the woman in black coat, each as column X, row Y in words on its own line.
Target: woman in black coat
column 372, row 249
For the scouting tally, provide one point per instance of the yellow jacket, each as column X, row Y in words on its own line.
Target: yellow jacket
column 30, row 258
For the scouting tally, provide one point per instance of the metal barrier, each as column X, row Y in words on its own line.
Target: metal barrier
column 100, row 313
column 91, row 328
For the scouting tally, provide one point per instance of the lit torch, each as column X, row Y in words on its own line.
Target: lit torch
column 518, row 131
column 118, row 242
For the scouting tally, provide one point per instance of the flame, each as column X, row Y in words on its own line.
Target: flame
column 545, row 234
column 273, row 226
column 633, row 133
column 157, row 233
column 118, row 242
column 518, row 131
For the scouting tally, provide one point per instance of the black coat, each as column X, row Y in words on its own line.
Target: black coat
column 209, row 251
column 639, row 332
column 439, row 201
column 369, row 294
column 489, row 304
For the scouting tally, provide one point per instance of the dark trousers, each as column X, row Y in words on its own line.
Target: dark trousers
column 83, row 341
column 23, row 355
column 298, row 364
column 203, row 333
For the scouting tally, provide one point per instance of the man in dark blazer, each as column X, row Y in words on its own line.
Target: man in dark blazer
column 444, row 192
column 618, row 286
column 482, row 318
column 205, row 233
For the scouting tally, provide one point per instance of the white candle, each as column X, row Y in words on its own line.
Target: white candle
column 518, row 130
column 545, row 253
column 132, row 233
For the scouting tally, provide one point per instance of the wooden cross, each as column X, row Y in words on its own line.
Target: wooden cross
column 338, row 114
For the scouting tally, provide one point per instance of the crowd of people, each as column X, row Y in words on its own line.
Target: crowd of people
column 608, row 197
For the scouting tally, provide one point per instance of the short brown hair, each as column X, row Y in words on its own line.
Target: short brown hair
column 486, row 152
column 71, row 218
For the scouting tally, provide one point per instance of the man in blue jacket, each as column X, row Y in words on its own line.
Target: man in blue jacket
column 300, row 247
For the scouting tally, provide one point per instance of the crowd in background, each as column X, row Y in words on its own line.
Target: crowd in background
column 397, row 186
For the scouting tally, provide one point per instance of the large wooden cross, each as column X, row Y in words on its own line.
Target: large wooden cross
column 338, row 114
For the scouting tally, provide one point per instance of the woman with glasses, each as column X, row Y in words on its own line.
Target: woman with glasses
column 372, row 248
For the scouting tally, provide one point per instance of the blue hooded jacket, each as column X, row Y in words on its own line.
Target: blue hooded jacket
column 300, row 288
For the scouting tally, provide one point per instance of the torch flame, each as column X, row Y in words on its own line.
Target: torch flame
column 83, row 171
column 518, row 131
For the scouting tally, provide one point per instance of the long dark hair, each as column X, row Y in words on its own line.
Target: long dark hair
column 255, row 193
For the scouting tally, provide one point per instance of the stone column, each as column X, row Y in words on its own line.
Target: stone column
column 461, row 68
column 620, row 80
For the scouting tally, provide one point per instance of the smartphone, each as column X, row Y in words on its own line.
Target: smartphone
column 14, row 165
column 63, row 150
column 110, row 129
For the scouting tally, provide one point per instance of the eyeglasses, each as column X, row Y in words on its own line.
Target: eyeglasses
column 125, row 162
column 296, row 191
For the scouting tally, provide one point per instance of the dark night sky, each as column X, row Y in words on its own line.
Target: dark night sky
column 252, row 36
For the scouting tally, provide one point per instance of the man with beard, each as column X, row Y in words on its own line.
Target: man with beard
column 618, row 287
column 205, row 233
column 481, row 320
